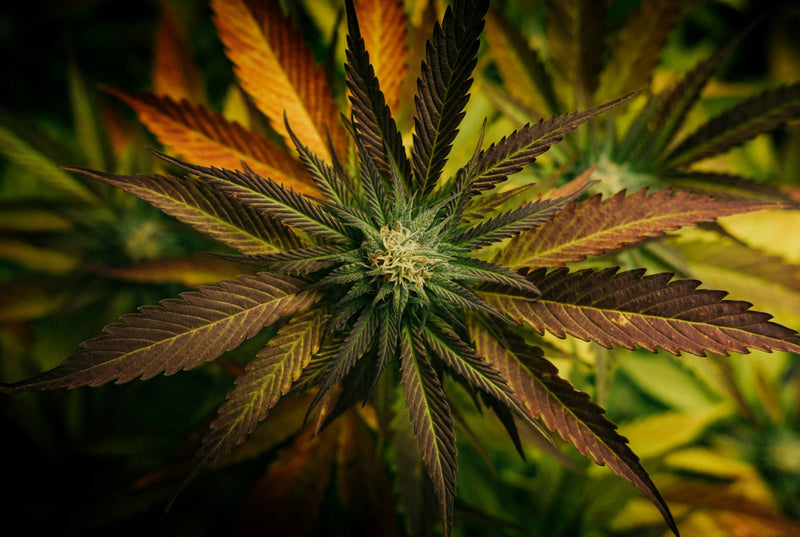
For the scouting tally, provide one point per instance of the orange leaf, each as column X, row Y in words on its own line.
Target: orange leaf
column 207, row 138
column 384, row 27
column 175, row 74
column 278, row 71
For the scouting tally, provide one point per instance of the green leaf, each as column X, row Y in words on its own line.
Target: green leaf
column 432, row 422
column 206, row 209
column 629, row 309
column 265, row 380
column 614, row 223
column 564, row 409
column 34, row 157
column 758, row 114
column 178, row 334
column 443, row 88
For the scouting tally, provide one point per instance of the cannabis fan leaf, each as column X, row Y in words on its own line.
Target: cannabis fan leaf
column 375, row 268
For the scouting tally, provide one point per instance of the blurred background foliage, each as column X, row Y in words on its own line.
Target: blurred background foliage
column 720, row 436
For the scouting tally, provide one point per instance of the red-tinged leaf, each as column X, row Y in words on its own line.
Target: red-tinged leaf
column 206, row 138
column 362, row 481
column 175, row 73
column 178, row 334
column 614, row 223
column 384, row 27
column 278, row 71
column 637, row 49
column 632, row 310
column 432, row 423
column 293, row 487
column 207, row 210
column 265, row 380
column 565, row 410
column 190, row 271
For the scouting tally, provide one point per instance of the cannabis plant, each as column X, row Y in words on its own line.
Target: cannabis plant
column 382, row 279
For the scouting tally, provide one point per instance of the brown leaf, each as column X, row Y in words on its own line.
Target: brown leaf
column 595, row 227
column 629, row 309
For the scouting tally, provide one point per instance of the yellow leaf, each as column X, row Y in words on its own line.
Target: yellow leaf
column 659, row 434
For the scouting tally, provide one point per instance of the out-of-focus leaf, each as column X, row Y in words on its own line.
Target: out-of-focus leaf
column 48, row 260
column 725, row 186
column 677, row 386
column 637, row 49
column 21, row 152
column 766, row 281
column 524, row 74
column 287, row 499
column 575, row 34
column 657, row 435
column 190, row 271
column 362, row 482
column 770, row 231
column 175, row 74
column 278, row 71
column 761, row 113
column 28, row 217
column 29, row 299
column 88, row 120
